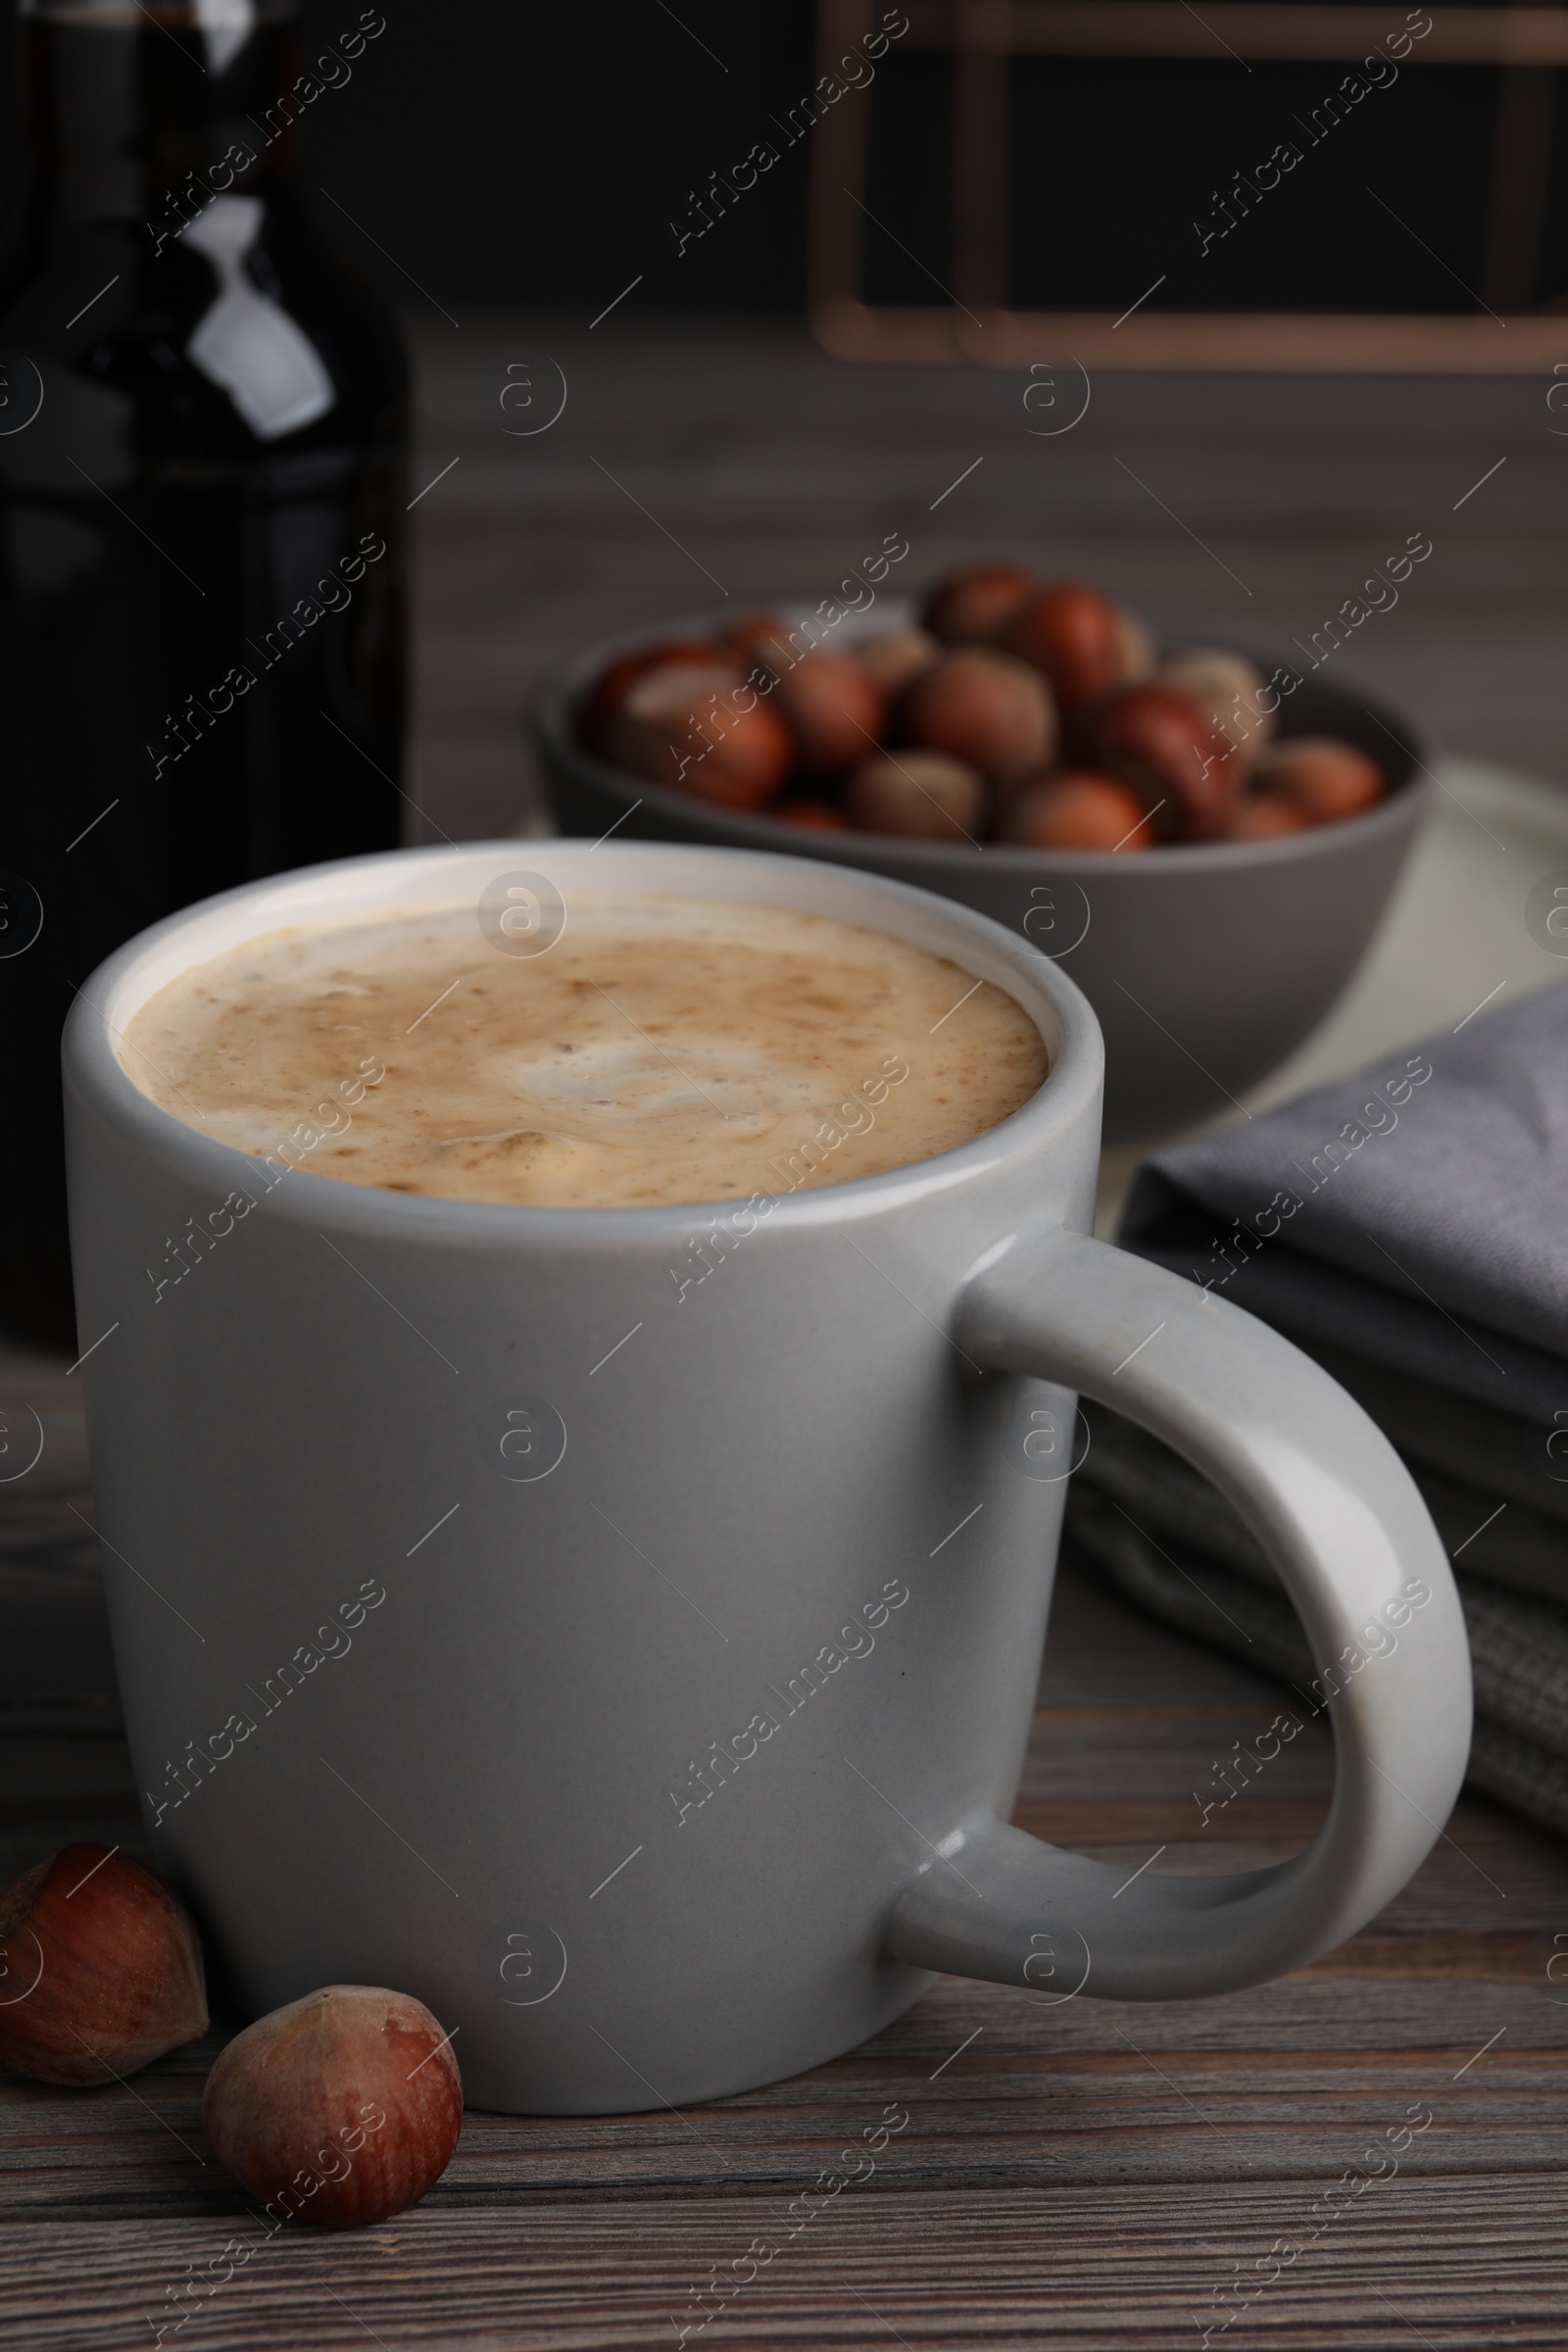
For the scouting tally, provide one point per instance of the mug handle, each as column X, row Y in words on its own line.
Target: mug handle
column 1343, row 1522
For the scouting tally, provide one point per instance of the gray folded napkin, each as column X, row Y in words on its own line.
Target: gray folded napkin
column 1408, row 1228
column 1172, row 1544
column 1415, row 1217
column 1521, row 1461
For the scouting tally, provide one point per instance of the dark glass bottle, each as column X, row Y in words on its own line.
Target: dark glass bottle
column 203, row 430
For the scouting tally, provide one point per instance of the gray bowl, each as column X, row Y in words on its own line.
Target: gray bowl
column 1206, row 963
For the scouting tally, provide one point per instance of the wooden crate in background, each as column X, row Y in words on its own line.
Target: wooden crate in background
column 1507, row 333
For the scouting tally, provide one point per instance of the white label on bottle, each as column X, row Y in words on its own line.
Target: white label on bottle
column 226, row 26
column 246, row 344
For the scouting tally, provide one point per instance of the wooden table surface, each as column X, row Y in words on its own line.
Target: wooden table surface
column 1088, row 2173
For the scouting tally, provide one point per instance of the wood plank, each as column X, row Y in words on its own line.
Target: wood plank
column 1104, row 2270
column 1499, row 1959
column 1203, row 342
column 1283, row 2079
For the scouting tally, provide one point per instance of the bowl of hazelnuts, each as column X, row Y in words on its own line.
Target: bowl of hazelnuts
column 1206, row 839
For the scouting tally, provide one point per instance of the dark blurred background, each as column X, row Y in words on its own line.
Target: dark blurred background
column 535, row 157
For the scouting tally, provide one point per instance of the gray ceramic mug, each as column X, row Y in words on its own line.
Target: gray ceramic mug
column 619, row 1627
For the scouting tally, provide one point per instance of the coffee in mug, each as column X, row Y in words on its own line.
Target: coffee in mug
column 655, row 1051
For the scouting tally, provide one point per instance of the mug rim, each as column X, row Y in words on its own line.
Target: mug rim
column 342, row 888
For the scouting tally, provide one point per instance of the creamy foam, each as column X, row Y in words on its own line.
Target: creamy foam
column 662, row 1051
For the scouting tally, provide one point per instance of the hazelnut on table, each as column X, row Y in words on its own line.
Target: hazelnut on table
column 100, row 1969
column 338, row 2109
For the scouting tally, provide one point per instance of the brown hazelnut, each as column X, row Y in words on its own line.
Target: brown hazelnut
column 813, row 816
column 970, row 606
column 1230, row 689
column 610, row 688
column 1074, row 636
column 338, row 2109
column 751, row 638
column 707, row 732
column 100, row 1969
column 834, row 708
column 895, row 657
column 982, row 707
column 1266, row 816
column 1076, row 811
column 1156, row 739
column 766, row 645
column 924, row 795
column 1135, row 646
column 1324, row 778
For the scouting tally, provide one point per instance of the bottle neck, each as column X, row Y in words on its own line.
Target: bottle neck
column 144, row 113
